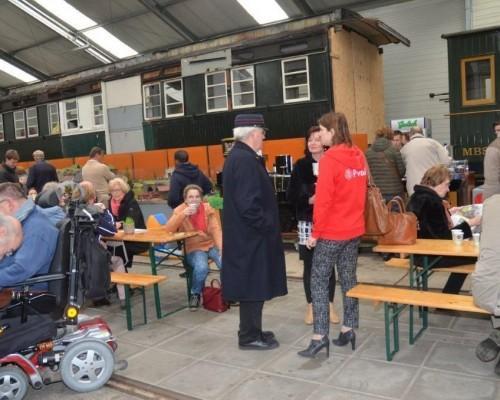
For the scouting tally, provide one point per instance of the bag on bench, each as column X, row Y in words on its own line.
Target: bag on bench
column 403, row 225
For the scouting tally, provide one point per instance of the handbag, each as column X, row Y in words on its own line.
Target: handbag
column 403, row 224
column 212, row 298
column 376, row 213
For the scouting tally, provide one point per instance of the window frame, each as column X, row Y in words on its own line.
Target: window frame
column 2, row 129
column 463, row 86
column 51, row 121
column 144, row 100
column 17, row 120
column 235, row 107
column 28, row 126
column 166, row 104
column 94, row 106
column 207, row 98
column 66, row 120
column 284, row 74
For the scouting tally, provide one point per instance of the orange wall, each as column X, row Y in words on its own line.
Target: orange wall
column 149, row 164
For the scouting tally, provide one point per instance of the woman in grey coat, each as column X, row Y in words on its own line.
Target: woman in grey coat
column 492, row 165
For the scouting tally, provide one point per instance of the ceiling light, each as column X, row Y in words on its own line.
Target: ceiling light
column 16, row 72
column 67, row 13
column 263, row 11
column 109, row 42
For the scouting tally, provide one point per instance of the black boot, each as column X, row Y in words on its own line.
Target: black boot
column 346, row 337
column 315, row 347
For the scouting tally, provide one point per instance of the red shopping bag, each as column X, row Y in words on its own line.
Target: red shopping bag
column 212, row 298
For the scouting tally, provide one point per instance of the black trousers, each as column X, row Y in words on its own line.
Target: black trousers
column 306, row 256
column 455, row 281
column 250, row 321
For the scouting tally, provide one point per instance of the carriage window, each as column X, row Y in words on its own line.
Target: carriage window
column 19, row 124
column 32, row 121
column 478, row 80
column 2, row 136
column 54, row 126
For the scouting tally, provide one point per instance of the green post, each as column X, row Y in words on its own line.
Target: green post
column 156, row 290
column 128, row 307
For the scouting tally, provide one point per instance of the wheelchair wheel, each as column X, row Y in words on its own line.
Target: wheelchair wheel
column 13, row 383
column 87, row 365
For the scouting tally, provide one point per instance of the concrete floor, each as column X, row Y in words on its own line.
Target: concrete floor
column 196, row 353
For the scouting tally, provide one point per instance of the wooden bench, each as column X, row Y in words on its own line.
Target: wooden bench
column 140, row 281
column 396, row 299
column 404, row 263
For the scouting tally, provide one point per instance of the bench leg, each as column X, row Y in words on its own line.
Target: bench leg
column 128, row 307
column 391, row 316
column 143, row 292
column 423, row 313
column 156, row 290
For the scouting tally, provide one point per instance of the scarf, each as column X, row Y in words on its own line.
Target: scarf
column 198, row 219
column 115, row 207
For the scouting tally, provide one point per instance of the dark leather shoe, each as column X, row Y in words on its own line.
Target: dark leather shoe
column 260, row 345
column 267, row 335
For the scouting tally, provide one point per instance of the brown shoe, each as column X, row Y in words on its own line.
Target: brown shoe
column 334, row 317
column 308, row 319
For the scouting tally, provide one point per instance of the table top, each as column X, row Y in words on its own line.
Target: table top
column 151, row 236
column 437, row 247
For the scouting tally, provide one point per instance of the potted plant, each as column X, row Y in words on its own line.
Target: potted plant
column 128, row 225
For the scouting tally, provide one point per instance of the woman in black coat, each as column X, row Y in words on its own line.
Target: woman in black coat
column 301, row 195
column 435, row 222
column 123, row 205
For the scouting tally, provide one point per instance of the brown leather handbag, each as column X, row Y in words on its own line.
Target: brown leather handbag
column 403, row 224
column 376, row 213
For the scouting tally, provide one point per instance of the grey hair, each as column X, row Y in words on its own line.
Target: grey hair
column 38, row 155
column 242, row 132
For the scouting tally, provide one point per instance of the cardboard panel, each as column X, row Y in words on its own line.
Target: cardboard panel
column 360, row 140
column 149, row 164
column 293, row 147
column 122, row 162
column 81, row 160
column 198, row 155
column 59, row 163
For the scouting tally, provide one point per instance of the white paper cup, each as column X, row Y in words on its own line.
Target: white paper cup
column 315, row 168
column 457, row 236
column 476, row 237
column 194, row 207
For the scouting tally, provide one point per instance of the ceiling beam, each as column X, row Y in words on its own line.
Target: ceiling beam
column 170, row 20
column 304, row 7
column 21, row 65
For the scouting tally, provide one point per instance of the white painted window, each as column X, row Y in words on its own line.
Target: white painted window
column 295, row 79
column 54, row 124
column 174, row 98
column 71, row 110
column 32, row 121
column 152, row 101
column 243, row 87
column 2, row 134
column 216, row 91
column 19, row 124
column 98, row 110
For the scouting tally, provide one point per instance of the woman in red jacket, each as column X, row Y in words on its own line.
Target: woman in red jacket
column 338, row 223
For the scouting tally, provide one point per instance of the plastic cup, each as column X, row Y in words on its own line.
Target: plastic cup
column 476, row 237
column 457, row 236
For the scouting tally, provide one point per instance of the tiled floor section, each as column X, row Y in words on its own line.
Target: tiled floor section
column 196, row 353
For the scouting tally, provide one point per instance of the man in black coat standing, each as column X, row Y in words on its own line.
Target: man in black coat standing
column 254, row 262
column 8, row 167
column 185, row 174
column 40, row 172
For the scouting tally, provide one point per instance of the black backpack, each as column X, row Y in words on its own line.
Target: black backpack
column 94, row 262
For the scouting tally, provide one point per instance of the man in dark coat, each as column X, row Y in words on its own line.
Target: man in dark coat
column 41, row 172
column 254, row 262
column 185, row 174
column 8, row 167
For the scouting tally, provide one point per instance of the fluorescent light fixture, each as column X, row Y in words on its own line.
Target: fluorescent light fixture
column 16, row 72
column 67, row 13
column 99, row 56
column 263, row 11
column 109, row 42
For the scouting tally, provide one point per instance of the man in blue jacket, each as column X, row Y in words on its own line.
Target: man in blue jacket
column 185, row 174
column 35, row 254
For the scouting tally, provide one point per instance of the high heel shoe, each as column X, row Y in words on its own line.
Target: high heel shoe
column 346, row 337
column 315, row 347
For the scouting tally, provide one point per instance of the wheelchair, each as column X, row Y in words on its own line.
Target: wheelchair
column 43, row 337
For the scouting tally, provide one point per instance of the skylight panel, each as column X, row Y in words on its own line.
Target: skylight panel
column 67, row 13
column 16, row 72
column 263, row 11
column 109, row 42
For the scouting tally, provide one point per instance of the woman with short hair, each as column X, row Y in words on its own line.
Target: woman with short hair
column 434, row 221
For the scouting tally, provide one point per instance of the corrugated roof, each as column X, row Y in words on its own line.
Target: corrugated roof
column 144, row 25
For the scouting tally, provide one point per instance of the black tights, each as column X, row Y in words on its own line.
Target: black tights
column 306, row 256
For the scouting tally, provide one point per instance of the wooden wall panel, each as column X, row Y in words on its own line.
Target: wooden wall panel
column 215, row 160
column 122, row 162
column 149, row 164
column 62, row 162
column 198, row 155
column 293, row 147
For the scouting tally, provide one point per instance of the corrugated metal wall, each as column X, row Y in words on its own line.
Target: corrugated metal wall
column 485, row 13
column 411, row 73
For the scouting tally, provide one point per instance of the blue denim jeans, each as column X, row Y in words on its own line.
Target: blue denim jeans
column 198, row 260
